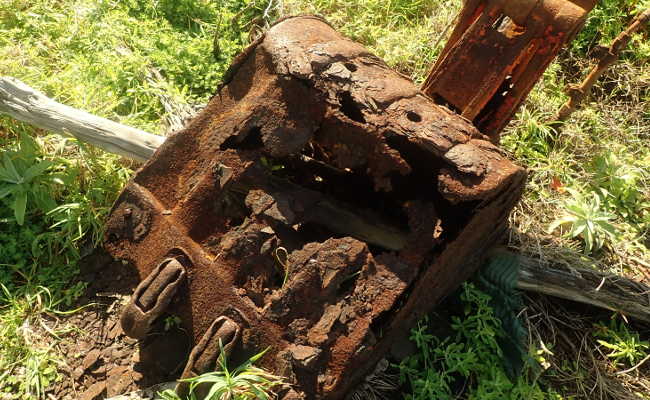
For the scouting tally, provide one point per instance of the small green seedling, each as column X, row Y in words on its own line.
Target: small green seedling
column 172, row 321
column 625, row 347
column 245, row 382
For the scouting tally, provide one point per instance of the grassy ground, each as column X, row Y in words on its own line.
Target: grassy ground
column 590, row 177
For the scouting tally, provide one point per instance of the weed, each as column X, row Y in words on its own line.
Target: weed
column 587, row 219
column 172, row 321
column 467, row 364
column 534, row 138
column 619, row 185
column 246, row 382
column 625, row 347
column 22, row 177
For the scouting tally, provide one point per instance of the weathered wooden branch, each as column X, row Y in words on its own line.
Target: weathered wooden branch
column 577, row 93
column 29, row 105
column 608, row 291
column 616, row 293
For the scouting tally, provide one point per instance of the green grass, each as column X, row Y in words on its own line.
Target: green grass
column 98, row 55
column 60, row 215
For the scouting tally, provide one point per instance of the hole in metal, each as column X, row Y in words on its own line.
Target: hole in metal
column 350, row 108
column 413, row 116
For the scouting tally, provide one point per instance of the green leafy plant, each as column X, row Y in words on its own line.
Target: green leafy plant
column 22, row 179
column 172, row 321
column 586, row 219
column 619, row 183
column 468, row 364
column 533, row 139
column 246, row 382
column 624, row 346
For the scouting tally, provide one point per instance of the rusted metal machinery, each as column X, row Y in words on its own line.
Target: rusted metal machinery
column 497, row 52
column 319, row 205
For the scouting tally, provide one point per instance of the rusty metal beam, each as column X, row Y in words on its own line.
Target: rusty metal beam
column 497, row 52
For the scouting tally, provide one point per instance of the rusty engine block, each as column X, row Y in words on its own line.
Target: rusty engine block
column 319, row 205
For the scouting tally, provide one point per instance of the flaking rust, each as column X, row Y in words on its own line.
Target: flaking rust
column 319, row 205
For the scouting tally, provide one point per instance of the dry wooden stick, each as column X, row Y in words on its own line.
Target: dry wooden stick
column 577, row 93
column 611, row 292
column 608, row 291
column 29, row 105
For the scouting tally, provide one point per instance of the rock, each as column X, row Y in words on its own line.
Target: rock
column 293, row 395
column 118, row 381
column 77, row 373
column 83, row 347
column 119, row 354
column 304, row 356
column 94, row 391
column 90, row 359
column 115, row 332
column 100, row 370
column 146, row 394
column 135, row 357
column 136, row 376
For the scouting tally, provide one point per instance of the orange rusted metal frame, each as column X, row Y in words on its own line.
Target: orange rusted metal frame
column 497, row 52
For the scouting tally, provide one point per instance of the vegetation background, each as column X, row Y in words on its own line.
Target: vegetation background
column 587, row 202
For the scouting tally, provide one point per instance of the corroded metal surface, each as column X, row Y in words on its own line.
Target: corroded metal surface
column 319, row 206
column 498, row 51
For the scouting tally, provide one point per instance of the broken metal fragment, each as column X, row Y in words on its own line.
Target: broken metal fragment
column 497, row 52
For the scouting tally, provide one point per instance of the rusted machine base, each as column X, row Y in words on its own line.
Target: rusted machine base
column 320, row 205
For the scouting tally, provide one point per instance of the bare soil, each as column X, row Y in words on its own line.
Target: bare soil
column 101, row 362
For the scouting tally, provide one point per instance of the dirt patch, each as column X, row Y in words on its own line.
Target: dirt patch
column 101, row 361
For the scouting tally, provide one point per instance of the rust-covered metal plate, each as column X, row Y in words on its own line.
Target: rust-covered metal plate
column 319, row 205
